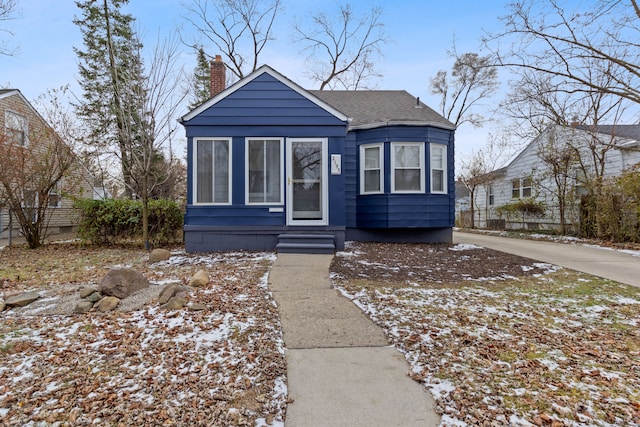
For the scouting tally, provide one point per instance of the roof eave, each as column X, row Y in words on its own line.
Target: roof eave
column 374, row 125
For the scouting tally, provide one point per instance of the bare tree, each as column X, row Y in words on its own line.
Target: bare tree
column 472, row 79
column 545, row 37
column 153, row 125
column 343, row 50
column 477, row 169
column 239, row 29
column 560, row 160
column 7, row 13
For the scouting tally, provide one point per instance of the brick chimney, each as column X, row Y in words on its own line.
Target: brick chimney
column 218, row 80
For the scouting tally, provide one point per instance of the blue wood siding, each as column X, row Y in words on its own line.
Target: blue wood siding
column 392, row 210
column 266, row 107
column 265, row 101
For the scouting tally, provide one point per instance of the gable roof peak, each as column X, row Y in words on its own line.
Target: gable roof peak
column 265, row 69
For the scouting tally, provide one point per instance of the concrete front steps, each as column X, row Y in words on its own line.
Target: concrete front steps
column 291, row 243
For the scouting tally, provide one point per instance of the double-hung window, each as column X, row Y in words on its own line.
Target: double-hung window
column 407, row 162
column 212, row 173
column 371, row 169
column 438, row 164
column 264, row 171
column 16, row 128
column 521, row 187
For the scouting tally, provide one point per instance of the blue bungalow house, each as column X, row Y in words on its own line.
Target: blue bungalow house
column 274, row 166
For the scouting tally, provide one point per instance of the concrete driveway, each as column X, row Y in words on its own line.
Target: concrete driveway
column 610, row 264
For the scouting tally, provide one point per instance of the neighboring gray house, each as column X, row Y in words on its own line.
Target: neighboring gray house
column 527, row 176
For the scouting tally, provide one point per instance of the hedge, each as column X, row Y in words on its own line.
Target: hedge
column 113, row 221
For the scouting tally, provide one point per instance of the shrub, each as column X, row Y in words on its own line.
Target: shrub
column 113, row 221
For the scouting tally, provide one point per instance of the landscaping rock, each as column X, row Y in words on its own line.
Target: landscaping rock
column 22, row 299
column 85, row 292
column 170, row 290
column 83, row 307
column 95, row 297
column 201, row 278
column 175, row 303
column 2, row 304
column 196, row 306
column 122, row 282
column 158, row 255
column 107, row 303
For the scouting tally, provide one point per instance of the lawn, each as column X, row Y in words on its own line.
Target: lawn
column 497, row 339
column 554, row 348
column 220, row 366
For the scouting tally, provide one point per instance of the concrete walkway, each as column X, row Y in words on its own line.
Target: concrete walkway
column 341, row 370
column 614, row 265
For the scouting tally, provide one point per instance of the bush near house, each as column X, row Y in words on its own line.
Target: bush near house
column 114, row 221
column 613, row 213
column 522, row 209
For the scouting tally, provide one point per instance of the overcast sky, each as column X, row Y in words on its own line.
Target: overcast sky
column 421, row 32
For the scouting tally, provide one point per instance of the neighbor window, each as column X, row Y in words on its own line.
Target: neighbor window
column 438, row 168
column 54, row 198
column 526, row 187
column 264, row 171
column 515, row 189
column 371, row 169
column 491, row 195
column 212, row 170
column 521, row 188
column 407, row 162
column 16, row 128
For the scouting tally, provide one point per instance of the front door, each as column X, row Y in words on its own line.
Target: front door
column 307, row 181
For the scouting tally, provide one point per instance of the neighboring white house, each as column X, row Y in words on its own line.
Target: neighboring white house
column 528, row 176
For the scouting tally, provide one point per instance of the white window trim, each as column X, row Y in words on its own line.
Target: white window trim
column 195, row 171
column 246, row 174
column 420, row 146
column 442, row 147
column 362, row 167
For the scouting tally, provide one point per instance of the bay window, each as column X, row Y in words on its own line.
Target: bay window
column 371, row 169
column 438, row 168
column 407, row 163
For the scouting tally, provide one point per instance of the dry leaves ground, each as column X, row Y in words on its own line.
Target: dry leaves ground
column 221, row 366
column 500, row 340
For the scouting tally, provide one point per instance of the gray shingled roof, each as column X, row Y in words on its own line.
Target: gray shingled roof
column 623, row 131
column 373, row 108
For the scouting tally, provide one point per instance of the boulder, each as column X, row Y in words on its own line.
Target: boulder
column 196, row 306
column 2, row 304
column 85, row 292
column 158, row 255
column 22, row 299
column 122, row 282
column 95, row 297
column 201, row 278
column 175, row 303
column 83, row 307
column 107, row 304
column 170, row 290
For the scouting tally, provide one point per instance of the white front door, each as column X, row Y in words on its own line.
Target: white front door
column 307, row 202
